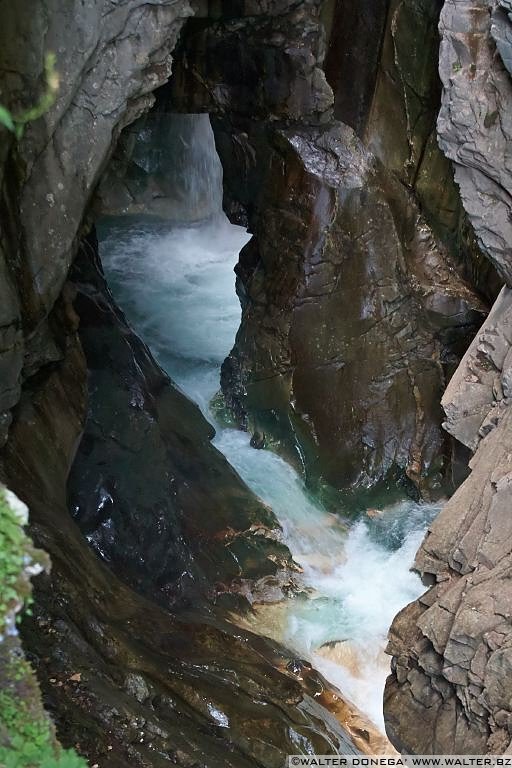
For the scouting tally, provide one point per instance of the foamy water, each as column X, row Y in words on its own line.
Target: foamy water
column 176, row 286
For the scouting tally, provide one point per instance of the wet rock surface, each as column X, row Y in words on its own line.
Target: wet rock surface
column 127, row 681
column 153, row 497
column 353, row 314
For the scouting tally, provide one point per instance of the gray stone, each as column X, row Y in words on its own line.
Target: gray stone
column 468, row 615
column 475, row 121
column 470, row 395
column 501, row 31
column 110, row 57
column 137, row 687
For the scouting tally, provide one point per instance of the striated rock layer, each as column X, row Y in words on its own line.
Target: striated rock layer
column 474, row 124
column 452, row 649
column 450, row 686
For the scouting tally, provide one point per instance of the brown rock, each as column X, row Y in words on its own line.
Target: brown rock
column 313, row 325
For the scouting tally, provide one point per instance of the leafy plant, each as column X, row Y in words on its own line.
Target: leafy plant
column 16, row 124
column 27, row 736
column 13, row 550
column 30, row 742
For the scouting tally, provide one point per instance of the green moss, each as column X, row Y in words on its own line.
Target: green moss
column 491, row 118
column 14, row 547
column 27, row 735
column 30, row 742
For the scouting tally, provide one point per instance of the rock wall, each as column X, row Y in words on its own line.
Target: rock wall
column 450, row 689
column 322, row 306
column 110, row 58
column 474, row 122
column 351, row 313
column 452, row 647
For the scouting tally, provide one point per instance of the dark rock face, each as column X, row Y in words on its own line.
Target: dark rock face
column 356, row 35
column 260, row 62
column 258, row 66
column 387, row 88
column 332, row 292
column 351, row 313
column 155, row 499
column 110, row 57
column 452, row 648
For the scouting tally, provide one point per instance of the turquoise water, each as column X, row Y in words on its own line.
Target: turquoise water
column 176, row 287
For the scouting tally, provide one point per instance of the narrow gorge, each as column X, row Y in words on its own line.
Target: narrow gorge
column 255, row 331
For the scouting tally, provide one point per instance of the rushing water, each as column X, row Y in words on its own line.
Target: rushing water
column 176, row 286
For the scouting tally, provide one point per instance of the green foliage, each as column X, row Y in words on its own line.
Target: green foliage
column 16, row 124
column 27, row 738
column 30, row 739
column 13, row 550
column 6, row 119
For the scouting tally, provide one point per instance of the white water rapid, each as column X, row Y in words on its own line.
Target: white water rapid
column 176, row 287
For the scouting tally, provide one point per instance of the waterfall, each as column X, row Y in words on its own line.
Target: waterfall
column 176, row 286
column 173, row 169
